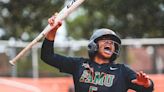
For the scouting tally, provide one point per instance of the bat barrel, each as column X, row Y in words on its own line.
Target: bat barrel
column 61, row 16
column 27, row 48
column 12, row 62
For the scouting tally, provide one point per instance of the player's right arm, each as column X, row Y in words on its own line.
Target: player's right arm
column 63, row 63
column 51, row 35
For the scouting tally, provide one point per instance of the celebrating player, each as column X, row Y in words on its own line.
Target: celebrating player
column 99, row 73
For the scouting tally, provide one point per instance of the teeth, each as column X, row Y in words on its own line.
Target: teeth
column 107, row 51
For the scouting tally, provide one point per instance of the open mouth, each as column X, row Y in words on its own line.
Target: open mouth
column 107, row 50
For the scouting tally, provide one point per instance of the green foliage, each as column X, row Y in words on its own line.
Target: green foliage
column 27, row 15
column 129, row 18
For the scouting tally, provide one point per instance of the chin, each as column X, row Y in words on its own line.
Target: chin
column 107, row 56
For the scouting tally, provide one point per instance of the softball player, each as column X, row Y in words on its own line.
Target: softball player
column 99, row 73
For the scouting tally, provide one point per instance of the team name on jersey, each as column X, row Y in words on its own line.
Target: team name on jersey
column 97, row 78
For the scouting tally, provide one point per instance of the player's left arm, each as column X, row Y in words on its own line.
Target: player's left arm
column 140, row 82
column 142, row 79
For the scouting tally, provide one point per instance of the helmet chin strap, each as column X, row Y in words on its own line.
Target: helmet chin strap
column 117, row 53
column 114, row 52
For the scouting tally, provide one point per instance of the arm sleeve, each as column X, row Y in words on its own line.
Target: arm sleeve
column 130, row 75
column 63, row 63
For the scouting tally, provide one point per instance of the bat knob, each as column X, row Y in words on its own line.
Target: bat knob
column 12, row 63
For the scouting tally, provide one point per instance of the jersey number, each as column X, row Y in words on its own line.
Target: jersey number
column 92, row 89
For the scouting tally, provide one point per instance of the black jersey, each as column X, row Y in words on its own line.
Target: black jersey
column 89, row 76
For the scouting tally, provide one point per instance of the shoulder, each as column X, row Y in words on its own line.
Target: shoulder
column 127, row 71
column 85, row 60
column 124, row 67
column 81, row 59
column 120, row 65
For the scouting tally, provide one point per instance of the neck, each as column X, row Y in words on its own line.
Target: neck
column 101, row 60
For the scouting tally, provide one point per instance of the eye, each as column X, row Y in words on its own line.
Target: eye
column 111, row 42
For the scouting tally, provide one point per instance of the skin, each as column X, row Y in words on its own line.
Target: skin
column 142, row 79
column 51, row 35
column 103, row 54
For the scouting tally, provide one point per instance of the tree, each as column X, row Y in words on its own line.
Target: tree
column 129, row 18
column 27, row 15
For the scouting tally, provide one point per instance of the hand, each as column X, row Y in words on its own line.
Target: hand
column 142, row 79
column 51, row 35
column 51, row 21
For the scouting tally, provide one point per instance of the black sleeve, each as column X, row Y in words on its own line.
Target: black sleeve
column 63, row 63
column 130, row 75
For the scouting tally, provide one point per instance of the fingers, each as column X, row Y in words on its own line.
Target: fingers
column 51, row 20
column 142, row 75
column 59, row 24
column 54, row 25
column 145, row 79
column 142, row 79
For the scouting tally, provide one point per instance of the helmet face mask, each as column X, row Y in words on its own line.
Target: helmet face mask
column 103, row 34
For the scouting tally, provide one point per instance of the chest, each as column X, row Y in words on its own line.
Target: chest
column 100, row 78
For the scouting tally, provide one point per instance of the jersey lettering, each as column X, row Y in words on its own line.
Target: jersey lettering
column 99, row 78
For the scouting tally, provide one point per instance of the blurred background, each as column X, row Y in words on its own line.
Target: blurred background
column 139, row 23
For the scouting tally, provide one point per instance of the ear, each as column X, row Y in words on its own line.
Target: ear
column 92, row 46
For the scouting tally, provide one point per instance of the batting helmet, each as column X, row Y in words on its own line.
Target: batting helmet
column 93, row 47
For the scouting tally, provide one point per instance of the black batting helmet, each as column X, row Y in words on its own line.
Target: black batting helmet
column 93, row 47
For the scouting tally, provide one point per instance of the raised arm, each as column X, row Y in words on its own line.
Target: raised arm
column 63, row 63
column 47, row 51
column 51, row 35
